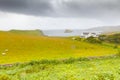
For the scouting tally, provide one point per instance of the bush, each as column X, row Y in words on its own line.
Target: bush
column 93, row 40
column 118, row 71
column 4, row 77
column 102, row 37
column 118, row 54
column 115, row 38
column 104, row 76
column 83, row 59
column 69, row 61
column 115, row 46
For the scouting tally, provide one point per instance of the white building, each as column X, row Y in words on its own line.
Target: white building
column 89, row 34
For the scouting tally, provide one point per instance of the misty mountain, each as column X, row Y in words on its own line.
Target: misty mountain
column 106, row 29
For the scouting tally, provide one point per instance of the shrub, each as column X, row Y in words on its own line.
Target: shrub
column 102, row 37
column 115, row 46
column 69, row 61
column 93, row 40
column 118, row 54
column 83, row 59
column 4, row 77
column 115, row 38
column 104, row 76
column 118, row 71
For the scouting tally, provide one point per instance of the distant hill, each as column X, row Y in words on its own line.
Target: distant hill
column 27, row 32
column 106, row 29
column 67, row 32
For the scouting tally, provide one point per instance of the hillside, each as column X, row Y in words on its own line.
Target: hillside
column 106, row 29
column 27, row 32
column 22, row 48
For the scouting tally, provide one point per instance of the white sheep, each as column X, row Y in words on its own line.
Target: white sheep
column 6, row 50
column 73, row 38
column 3, row 54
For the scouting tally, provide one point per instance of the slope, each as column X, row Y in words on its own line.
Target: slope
column 22, row 48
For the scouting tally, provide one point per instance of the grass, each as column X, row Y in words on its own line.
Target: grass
column 27, row 32
column 24, row 48
column 69, row 69
column 38, row 57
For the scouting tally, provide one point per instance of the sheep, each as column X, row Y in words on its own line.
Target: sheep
column 3, row 54
column 6, row 50
column 73, row 38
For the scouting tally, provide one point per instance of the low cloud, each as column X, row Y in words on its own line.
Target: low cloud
column 63, row 8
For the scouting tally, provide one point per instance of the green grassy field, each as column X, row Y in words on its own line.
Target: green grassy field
column 24, row 48
column 37, row 57
column 71, row 69
column 27, row 32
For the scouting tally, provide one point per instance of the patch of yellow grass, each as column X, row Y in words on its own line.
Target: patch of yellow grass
column 22, row 48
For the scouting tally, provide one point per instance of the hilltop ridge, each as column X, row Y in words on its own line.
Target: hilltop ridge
column 36, row 32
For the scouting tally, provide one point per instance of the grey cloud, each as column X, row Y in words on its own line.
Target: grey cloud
column 32, row 7
column 63, row 8
column 92, row 7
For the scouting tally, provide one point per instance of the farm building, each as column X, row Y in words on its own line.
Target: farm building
column 89, row 34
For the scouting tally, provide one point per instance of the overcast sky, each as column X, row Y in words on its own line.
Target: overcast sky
column 58, row 14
